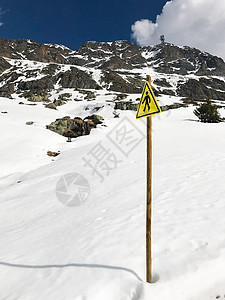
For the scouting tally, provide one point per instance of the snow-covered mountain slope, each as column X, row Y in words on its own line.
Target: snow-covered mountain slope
column 55, row 247
column 118, row 66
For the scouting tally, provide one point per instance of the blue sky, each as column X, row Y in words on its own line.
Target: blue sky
column 72, row 22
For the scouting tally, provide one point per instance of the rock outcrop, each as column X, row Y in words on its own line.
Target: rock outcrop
column 45, row 83
column 72, row 128
column 4, row 65
column 75, row 78
column 202, row 89
column 7, row 90
column 114, row 82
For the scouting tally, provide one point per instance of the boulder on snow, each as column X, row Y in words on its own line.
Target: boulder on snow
column 51, row 153
column 73, row 128
column 51, row 106
column 29, row 123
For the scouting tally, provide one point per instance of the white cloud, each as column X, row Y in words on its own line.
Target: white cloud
column 195, row 23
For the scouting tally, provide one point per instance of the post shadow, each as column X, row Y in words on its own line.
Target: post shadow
column 75, row 265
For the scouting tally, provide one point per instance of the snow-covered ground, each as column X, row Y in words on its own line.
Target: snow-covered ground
column 54, row 248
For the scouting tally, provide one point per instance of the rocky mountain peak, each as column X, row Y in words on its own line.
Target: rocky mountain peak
column 111, row 55
column 164, row 58
column 31, row 50
column 185, row 60
column 30, row 67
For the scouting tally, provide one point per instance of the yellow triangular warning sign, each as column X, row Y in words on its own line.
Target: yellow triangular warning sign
column 148, row 105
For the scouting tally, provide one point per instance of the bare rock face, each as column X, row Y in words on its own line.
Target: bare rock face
column 115, row 63
column 7, row 90
column 202, row 89
column 4, row 65
column 75, row 78
column 45, row 83
column 114, row 82
column 50, row 69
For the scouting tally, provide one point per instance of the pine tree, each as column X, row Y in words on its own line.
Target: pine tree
column 208, row 113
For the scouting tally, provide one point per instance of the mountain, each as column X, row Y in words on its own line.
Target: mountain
column 29, row 68
column 72, row 214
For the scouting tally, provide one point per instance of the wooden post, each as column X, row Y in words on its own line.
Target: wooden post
column 149, row 197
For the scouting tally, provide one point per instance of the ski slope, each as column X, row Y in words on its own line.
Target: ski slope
column 96, row 250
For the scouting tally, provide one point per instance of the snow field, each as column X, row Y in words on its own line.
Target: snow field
column 97, row 250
